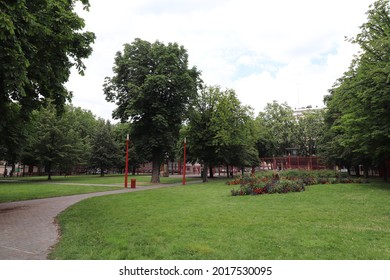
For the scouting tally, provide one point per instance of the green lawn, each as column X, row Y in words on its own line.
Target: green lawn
column 24, row 188
column 27, row 191
column 204, row 221
column 97, row 179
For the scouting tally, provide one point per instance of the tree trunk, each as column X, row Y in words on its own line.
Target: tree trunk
column 204, row 174
column 156, row 163
column 49, row 172
column 101, row 172
column 211, row 171
column 385, row 173
column 227, row 171
column 11, row 174
column 366, row 167
column 357, row 171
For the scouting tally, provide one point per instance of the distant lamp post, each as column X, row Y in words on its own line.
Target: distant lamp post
column 184, row 161
column 127, row 160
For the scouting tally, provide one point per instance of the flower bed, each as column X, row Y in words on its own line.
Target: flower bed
column 286, row 181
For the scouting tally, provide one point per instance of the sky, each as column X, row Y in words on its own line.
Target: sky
column 283, row 50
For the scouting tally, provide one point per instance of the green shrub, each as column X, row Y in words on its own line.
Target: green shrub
column 286, row 181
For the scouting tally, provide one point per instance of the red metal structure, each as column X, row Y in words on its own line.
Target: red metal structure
column 291, row 162
column 184, row 162
column 127, row 160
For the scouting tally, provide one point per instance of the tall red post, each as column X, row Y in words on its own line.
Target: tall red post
column 184, row 161
column 127, row 160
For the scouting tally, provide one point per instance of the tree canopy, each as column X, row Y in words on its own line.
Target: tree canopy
column 152, row 87
column 220, row 130
column 358, row 114
column 41, row 41
column 278, row 122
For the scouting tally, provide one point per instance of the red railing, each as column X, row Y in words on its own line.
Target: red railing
column 291, row 162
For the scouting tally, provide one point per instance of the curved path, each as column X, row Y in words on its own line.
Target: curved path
column 28, row 229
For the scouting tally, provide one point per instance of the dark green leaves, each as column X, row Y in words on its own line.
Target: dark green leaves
column 359, row 104
column 152, row 87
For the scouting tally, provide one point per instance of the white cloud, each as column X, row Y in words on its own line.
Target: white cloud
column 282, row 50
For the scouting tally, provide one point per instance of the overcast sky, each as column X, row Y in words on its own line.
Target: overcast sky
column 284, row 50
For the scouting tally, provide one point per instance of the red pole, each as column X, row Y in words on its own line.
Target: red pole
column 184, row 162
column 127, row 160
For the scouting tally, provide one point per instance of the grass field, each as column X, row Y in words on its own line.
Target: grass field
column 203, row 221
column 17, row 192
column 24, row 188
column 95, row 179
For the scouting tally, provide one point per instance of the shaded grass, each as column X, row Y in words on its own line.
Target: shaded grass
column 27, row 191
column 204, row 221
column 143, row 180
column 25, row 188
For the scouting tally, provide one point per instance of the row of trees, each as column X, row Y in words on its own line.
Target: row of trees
column 160, row 100
column 222, row 131
column 219, row 131
column 358, row 116
column 164, row 100
column 73, row 141
column 40, row 41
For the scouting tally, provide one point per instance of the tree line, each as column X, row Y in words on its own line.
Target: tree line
column 219, row 131
column 161, row 100
column 358, row 116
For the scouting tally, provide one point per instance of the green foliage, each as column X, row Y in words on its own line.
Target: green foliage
column 268, row 185
column 358, row 118
column 278, row 124
column 286, row 181
column 105, row 151
column 309, row 131
column 71, row 142
column 53, row 141
column 153, row 87
column 40, row 41
column 221, row 130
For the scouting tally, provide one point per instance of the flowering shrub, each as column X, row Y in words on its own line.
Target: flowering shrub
column 271, row 185
column 286, row 181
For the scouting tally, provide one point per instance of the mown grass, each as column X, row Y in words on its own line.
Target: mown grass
column 143, row 180
column 25, row 188
column 204, row 221
column 23, row 191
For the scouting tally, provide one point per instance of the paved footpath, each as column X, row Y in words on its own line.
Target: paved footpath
column 28, row 229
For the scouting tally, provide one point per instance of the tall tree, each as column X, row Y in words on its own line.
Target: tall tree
column 153, row 87
column 308, row 132
column 53, row 142
column 220, row 130
column 199, row 132
column 359, row 102
column 105, row 151
column 279, row 123
column 40, row 41
column 85, row 123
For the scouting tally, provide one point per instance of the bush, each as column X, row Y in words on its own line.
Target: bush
column 270, row 186
column 286, row 181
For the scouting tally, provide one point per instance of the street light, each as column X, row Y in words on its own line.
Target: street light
column 184, row 167
column 127, row 159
